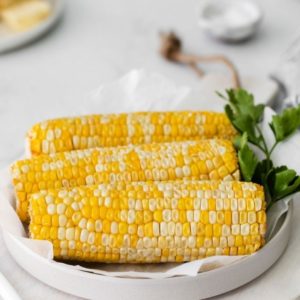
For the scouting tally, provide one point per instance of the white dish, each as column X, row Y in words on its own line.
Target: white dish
column 207, row 284
column 230, row 20
column 10, row 40
column 94, row 286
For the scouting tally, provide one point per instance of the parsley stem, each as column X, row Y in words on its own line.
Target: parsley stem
column 265, row 147
column 259, row 147
column 261, row 137
column 273, row 147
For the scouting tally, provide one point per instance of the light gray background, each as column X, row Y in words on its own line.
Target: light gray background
column 100, row 40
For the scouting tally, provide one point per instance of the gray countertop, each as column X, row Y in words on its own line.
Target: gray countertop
column 99, row 41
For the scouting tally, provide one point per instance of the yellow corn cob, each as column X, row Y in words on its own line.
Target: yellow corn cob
column 205, row 159
column 122, row 129
column 148, row 222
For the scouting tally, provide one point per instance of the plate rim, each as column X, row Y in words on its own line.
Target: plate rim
column 58, row 265
column 193, row 287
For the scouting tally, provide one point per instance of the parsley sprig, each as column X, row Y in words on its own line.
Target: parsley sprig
column 246, row 117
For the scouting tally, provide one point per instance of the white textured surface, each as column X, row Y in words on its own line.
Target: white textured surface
column 101, row 40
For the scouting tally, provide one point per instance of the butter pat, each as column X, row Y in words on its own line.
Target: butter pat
column 6, row 3
column 26, row 14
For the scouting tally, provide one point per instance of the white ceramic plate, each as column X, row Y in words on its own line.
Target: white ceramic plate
column 207, row 284
column 10, row 41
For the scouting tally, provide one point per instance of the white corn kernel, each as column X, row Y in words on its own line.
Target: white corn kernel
column 190, row 215
column 114, row 228
column 84, row 235
column 186, row 171
column 131, row 216
column 196, row 215
column 251, row 217
column 163, row 229
column 105, row 239
column 138, row 205
column 219, row 204
column 49, row 199
column 258, row 204
column 212, row 217
column 231, row 240
column 72, row 244
column 178, row 229
column 241, row 204
column 61, row 234
column 193, row 228
column 147, row 242
column 225, row 230
column 61, row 207
column 167, row 215
column 178, row 172
column 90, row 225
column 171, row 228
column 235, row 217
column 98, row 225
column 89, row 180
column 62, row 220
column 234, row 204
column 140, row 244
column 197, row 203
column 140, row 231
column 152, row 205
column 51, row 209
column 62, row 194
column 175, row 215
column 245, row 229
column 204, row 204
column 82, row 223
column 235, row 229
column 191, row 242
column 75, row 206
column 76, row 141
column 70, row 234
column 91, row 238
column 223, row 242
column 155, row 229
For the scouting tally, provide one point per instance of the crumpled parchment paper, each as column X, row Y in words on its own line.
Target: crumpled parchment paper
column 142, row 91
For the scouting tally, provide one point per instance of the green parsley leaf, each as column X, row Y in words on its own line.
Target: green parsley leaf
column 247, row 159
column 286, row 123
column 242, row 103
column 262, row 171
column 244, row 114
column 246, row 117
column 240, row 140
column 244, row 124
column 283, row 182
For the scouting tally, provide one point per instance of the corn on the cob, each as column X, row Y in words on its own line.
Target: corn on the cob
column 67, row 134
column 150, row 221
column 205, row 159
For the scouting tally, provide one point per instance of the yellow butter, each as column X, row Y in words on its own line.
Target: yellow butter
column 26, row 14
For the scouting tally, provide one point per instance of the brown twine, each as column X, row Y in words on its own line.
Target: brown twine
column 171, row 49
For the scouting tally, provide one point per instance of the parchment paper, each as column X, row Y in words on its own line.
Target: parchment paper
column 138, row 91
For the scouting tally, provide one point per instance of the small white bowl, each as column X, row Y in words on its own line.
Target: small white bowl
column 230, row 20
